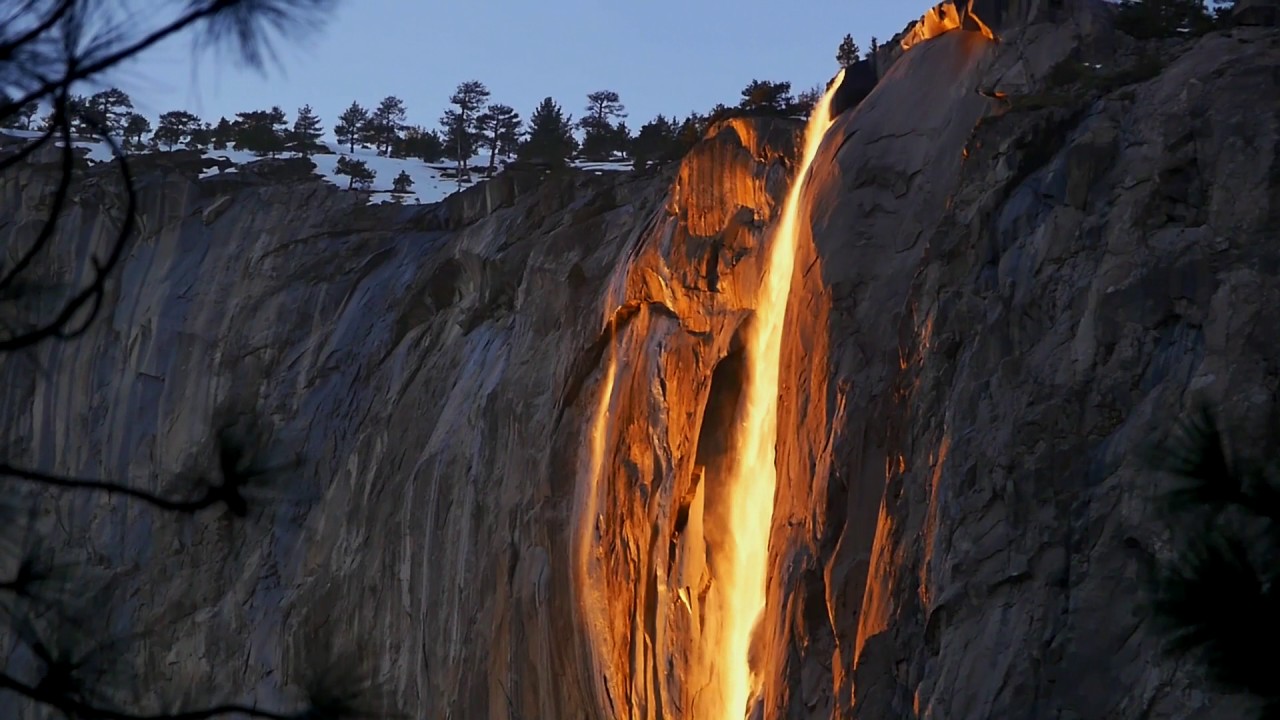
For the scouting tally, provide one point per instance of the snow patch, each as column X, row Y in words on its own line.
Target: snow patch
column 432, row 182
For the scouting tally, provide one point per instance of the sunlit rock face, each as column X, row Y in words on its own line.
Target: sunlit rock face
column 1005, row 20
column 937, row 20
column 661, row 517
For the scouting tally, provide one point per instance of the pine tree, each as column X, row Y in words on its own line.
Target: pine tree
column 499, row 130
column 383, row 127
column 691, row 130
column 82, row 118
column 766, row 96
column 600, row 135
column 22, row 118
column 358, row 172
column 111, row 108
column 402, row 183
column 550, row 139
column 1148, row 19
column 875, row 49
column 621, row 139
column 849, row 52
column 261, row 132
column 653, row 142
column 135, row 126
column 350, row 124
column 200, row 138
column 805, row 101
column 174, row 128
column 224, row 133
column 418, row 142
column 307, row 131
column 459, row 143
column 461, row 125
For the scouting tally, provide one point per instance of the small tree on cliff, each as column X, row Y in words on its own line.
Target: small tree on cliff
column 307, row 131
column 600, row 135
column 350, row 125
column 112, row 107
column 849, row 52
column 461, row 124
column 175, row 127
column 550, row 138
column 22, row 117
column 418, row 142
column 402, row 184
column 766, row 96
column 224, row 133
column 499, row 130
column 691, row 130
column 62, row 656
column 201, row 137
column 135, row 126
column 382, row 129
column 358, row 172
column 261, row 132
column 1217, row 597
column 653, row 142
column 1163, row 18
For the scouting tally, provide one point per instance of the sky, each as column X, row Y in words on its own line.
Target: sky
column 661, row 56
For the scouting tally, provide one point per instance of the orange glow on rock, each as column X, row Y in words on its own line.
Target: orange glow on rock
column 941, row 18
column 591, row 605
column 938, row 461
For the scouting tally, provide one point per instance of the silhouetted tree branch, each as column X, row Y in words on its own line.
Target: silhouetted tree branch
column 1217, row 598
column 47, row 47
column 237, row 470
column 92, row 294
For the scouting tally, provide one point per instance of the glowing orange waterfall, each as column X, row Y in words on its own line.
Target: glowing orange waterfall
column 591, row 605
column 752, row 481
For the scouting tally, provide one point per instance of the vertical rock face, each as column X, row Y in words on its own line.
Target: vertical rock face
column 432, row 389
column 421, row 379
column 879, row 185
column 1016, row 295
column 503, row 419
column 660, row 516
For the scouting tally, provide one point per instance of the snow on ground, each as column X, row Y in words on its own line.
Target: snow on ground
column 432, row 182
column 429, row 181
column 99, row 151
column 612, row 166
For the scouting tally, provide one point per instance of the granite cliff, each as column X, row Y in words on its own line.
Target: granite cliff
column 1022, row 252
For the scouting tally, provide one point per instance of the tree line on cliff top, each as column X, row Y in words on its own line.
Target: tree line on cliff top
column 472, row 124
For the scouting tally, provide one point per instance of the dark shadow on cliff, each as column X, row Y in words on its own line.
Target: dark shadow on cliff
column 67, row 652
column 1216, row 596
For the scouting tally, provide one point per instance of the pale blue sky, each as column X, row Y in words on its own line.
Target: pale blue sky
column 662, row 56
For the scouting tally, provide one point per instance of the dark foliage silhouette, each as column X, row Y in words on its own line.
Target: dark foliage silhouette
column 1216, row 598
column 60, row 657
